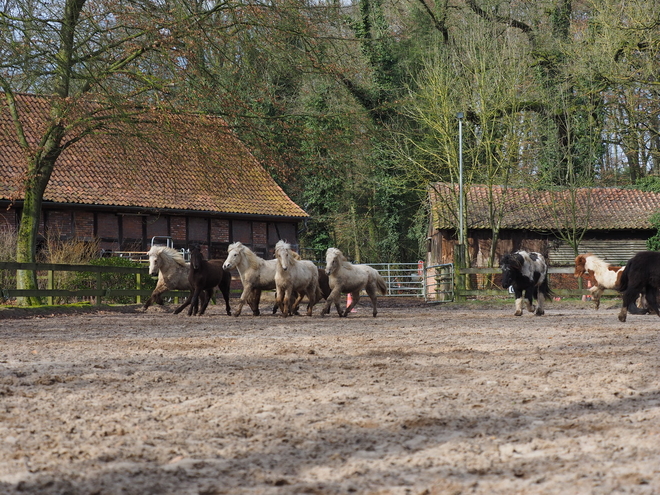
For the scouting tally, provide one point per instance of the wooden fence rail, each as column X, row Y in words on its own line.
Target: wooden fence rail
column 98, row 293
column 142, row 272
column 462, row 273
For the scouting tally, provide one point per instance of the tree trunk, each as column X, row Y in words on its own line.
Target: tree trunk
column 26, row 242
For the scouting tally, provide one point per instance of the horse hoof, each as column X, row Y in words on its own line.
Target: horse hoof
column 540, row 312
column 622, row 318
column 517, row 313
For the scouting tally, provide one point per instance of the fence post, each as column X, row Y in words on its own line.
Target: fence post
column 98, row 287
column 138, row 281
column 50, row 285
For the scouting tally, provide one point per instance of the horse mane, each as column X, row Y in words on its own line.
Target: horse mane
column 171, row 253
column 596, row 261
column 253, row 259
column 282, row 245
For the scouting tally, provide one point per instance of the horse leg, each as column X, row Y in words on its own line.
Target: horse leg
column 155, row 297
column 519, row 299
column 529, row 298
column 225, row 295
column 311, row 300
column 247, row 290
column 184, row 305
column 629, row 296
column 279, row 300
column 255, row 299
column 333, row 298
column 651, row 299
column 596, row 293
column 296, row 305
column 356, row 297
column 150, row 301
column 205, row 297
column 287, row 304
column 372, row 295
column 194, row 303
column 296, row 298
column 540, row 300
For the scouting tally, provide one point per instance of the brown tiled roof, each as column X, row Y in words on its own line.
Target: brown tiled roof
column 182, row 162
column 531, row 209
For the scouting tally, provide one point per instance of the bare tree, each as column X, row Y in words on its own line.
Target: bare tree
column 96, row 62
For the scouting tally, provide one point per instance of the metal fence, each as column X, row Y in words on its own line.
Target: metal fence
column 402, row 279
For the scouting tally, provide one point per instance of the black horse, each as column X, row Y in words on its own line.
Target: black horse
column 204, row 277
column 641, row 276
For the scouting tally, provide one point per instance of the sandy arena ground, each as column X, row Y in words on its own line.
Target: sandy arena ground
column 422, row 400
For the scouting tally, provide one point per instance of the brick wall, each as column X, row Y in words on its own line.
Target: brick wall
column 60, row 223
column 132, row 227
column 219, row 230
column 107, row 225
column 260, row 233
column 8, row 219
column 83, row 225
column 178, row 230
column 156, row 226
column 198, row 229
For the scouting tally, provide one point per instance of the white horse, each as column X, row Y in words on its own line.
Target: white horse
column 294, row 279
column 257, row 274
column 346, row 277
column 172, row 271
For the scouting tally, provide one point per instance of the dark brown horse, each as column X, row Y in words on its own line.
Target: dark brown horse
column 204, row 277
column 641, row 276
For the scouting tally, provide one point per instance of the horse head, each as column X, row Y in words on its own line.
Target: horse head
column 580, row 265
column 154, row 260
column 196, row 258
column 510, row 263
column 333, row 258
column 234, row 252
column 282, row 253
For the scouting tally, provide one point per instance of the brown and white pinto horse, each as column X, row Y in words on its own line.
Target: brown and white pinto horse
column 607, row 276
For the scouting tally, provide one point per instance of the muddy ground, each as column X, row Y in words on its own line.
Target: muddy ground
column 424, row 399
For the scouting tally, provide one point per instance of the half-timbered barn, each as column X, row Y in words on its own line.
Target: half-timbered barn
column 184, row 179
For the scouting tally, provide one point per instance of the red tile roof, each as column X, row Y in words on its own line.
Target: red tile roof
column 169, row 161
column 531, row 209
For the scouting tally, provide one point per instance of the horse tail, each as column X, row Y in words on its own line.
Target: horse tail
column 544, row 289
column 623, row 282
column 380, row 283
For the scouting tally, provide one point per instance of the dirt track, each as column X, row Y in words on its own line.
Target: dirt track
column 420, row 400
